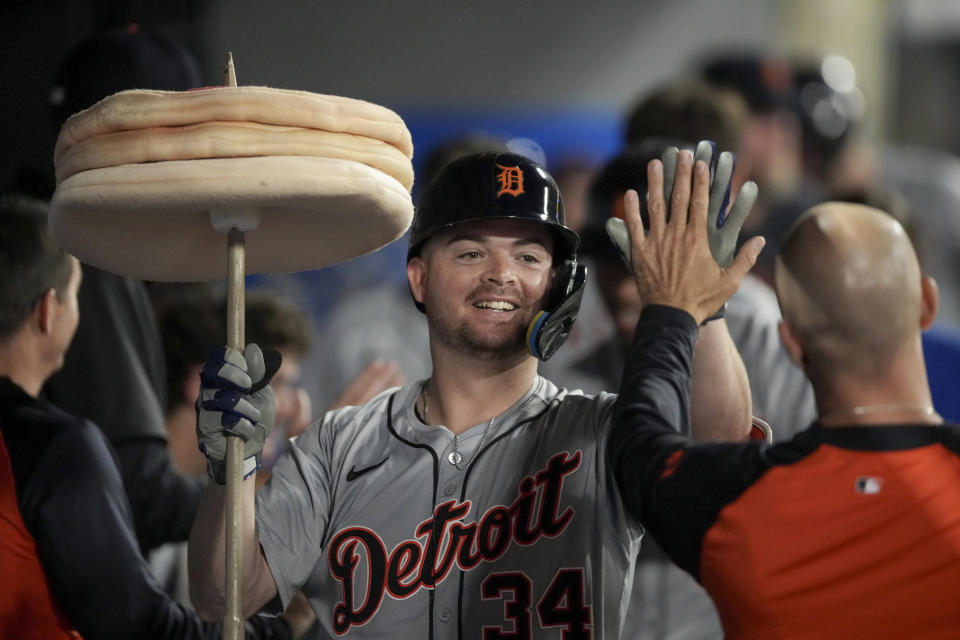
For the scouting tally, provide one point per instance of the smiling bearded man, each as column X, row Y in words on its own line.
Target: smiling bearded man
column 479, row 502
column 500, row 272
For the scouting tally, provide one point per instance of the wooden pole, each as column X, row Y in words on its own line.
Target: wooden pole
column 236, row 270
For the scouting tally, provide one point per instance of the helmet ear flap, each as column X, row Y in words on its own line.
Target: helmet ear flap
column 549, row 328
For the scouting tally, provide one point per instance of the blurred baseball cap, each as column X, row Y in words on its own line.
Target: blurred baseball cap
column 765, row 82
column 116, row 59
column 626, row 170
column 830, row 104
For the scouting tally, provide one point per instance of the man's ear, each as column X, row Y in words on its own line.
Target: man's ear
column 45, row 310
column 929, row 302
column 791, row 343
column 417, row 277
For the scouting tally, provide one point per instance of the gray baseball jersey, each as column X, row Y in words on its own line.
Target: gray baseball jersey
column 388, row 539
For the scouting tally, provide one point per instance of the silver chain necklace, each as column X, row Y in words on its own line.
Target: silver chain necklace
column 925, row 410
column 455, row 457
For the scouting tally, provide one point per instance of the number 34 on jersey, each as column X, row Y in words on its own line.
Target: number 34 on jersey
column 445, row 541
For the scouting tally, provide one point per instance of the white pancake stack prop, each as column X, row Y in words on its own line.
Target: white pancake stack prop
column 322, row 179
column 208, row 184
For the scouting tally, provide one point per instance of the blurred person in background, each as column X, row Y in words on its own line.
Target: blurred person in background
column 771, row 148
column 929, row 180
column 73, row 564
column 770, row 143
column 117, row 352
column 574, row 175
column 193, row 318
column 830, row 107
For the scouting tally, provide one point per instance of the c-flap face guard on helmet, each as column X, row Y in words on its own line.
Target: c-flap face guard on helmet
column 550, row 328
column 508, row 186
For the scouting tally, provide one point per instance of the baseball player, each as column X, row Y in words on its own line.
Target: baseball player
column 478, row 503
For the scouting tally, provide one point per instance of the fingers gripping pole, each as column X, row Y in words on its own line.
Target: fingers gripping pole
column 236, row 268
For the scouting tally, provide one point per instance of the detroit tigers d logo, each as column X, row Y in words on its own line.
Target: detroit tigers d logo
column 510, row 180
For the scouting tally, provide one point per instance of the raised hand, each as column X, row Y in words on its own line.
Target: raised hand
column 723, row 227
column 672, row 263
column 377, row 376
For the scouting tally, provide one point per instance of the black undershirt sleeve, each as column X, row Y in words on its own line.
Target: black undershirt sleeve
column 653, row 404
column 165, row 499
column 113, row 374
column 673, row 486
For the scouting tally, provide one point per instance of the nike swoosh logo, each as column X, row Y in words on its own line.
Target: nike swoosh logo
column 355, row 473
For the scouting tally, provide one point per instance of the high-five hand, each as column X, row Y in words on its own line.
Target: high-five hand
column 672, row 263
column 723, row 221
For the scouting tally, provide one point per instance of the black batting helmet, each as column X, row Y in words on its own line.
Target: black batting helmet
column 507, row 186
column 491, row 185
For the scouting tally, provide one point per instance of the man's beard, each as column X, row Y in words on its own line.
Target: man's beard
column 462, row 337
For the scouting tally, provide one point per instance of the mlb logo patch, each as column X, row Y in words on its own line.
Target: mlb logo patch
column 869, row 485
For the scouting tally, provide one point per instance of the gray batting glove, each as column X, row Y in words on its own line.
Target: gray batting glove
column 723, row 229
column 235, row 398
column 705, row 151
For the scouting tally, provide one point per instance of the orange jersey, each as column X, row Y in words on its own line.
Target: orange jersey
column 838, row 533
column 27, row 608
column 864, row 530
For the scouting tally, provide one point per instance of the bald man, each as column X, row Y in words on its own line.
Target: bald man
column 854, row 302
column 852, row 528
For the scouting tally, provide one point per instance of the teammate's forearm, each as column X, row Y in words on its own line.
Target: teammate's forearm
column 720, row 403
column 207, row 551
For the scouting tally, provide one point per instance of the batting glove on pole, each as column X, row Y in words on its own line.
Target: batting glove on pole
column 235, row 398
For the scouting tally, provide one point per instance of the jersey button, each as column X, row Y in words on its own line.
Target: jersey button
column 450, row 489
column 445, row 615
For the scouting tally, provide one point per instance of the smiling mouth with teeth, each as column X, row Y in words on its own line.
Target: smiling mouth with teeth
column 496, row 305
